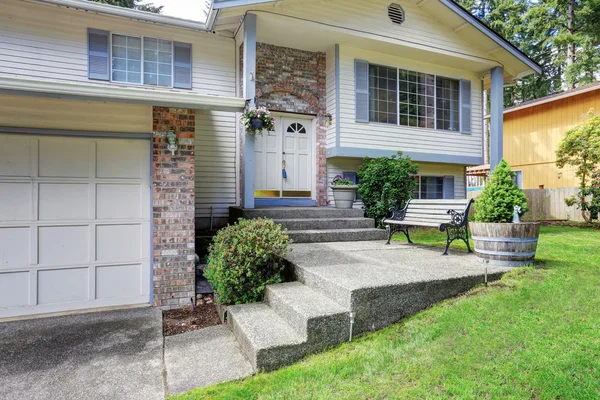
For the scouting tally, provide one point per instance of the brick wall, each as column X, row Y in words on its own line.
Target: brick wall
column 292, row 80
column 173, row 235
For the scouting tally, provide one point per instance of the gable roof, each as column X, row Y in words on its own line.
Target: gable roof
column 555, row 97
column 451, row 4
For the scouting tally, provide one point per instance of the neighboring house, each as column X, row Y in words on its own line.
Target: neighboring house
column 96, row 211
column 532, row 132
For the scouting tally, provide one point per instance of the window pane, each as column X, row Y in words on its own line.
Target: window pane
column 126, row 59
column 383, row 94
column 419, row 96
column 447, row 104
column 432, row 187
column 158, row 62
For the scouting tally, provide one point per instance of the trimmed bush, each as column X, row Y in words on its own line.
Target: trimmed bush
column 500, row 196
column 244, row 258
column 386, row 182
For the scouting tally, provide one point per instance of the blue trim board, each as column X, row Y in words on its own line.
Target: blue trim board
column 285, row 202
column 220, row 4
column 64, row 132
column 357, row 152
column 337, row 95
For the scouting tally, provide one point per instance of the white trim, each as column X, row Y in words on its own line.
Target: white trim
column 132, row 13
column 121, row 94
column 550, row 99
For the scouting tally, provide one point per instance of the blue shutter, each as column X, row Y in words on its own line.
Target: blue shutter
column 182, row 65
column 465, row 106
column 361, row 87
column 98, row 55
column 448, row 187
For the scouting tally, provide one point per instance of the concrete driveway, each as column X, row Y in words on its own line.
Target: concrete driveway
column 103, row 355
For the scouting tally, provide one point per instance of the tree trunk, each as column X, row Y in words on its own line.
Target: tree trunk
column 571, row 44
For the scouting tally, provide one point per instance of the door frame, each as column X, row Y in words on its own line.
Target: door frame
column 310, row 120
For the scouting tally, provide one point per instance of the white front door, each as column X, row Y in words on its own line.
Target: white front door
column 284, row 167
column 74, row 223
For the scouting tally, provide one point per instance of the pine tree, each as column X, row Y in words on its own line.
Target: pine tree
column 135, row 4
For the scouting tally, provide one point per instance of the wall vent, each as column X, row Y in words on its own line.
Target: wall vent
column 396, row 13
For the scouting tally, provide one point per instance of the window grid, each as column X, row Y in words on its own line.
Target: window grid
column 383, row 94
column 420, row 100
column 158, row 62
column 126, row 64
column 432, row 187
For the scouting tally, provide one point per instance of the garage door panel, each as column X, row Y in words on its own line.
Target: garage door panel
column 118, row 242
column 16, row 154
column 119, row 201
column 63, row 245
column 64, row 201
column 62, row 285
column 119, row 281
column 123, row 159
column 14, row 289
column 15, row 201
column 64, row 158
column 15, row 246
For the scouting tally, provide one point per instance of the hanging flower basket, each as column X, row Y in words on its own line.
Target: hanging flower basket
column 257, row 120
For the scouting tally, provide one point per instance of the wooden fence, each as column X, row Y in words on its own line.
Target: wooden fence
column 547, row 204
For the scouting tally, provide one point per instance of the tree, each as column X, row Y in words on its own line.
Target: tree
column 580, row 148
column 386, row 182
column 135, row 4
column 500, row 196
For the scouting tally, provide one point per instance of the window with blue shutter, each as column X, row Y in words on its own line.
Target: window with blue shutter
column 465, row 106
column 98, row 55
column 361, row 87
column 448, row 187
column 182, row 77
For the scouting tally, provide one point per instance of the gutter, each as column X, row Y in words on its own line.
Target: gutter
column 120, row 94
column 138, row 15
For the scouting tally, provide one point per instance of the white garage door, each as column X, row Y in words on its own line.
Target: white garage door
column 74, row 223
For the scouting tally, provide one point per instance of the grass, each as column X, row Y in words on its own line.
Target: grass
column 535, row 334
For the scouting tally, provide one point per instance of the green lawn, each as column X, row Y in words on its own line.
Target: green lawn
column 534, row 334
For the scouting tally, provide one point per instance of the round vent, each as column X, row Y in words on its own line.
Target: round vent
column 396, row 13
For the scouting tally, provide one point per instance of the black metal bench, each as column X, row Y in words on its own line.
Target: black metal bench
column 451, row 216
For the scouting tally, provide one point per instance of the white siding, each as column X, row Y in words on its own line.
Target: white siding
column 330, row 97
column 43, row 113
column 338, row 165
column 47, row 42
column 392, row 137
column 216, row 174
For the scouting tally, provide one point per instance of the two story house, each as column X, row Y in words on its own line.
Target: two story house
column 99, row 203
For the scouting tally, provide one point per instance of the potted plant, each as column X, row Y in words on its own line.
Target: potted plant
column 500, row 238
column 256, row 120
column 344, row 192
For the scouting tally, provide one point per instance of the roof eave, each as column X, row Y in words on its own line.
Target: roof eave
column 219, row 5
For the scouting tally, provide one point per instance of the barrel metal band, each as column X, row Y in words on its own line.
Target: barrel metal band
column 506, row 253
column 505, row 239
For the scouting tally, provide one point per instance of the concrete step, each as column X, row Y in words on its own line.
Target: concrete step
column 298, row 224
column 318, row 318
column 264, row 337
column 294, row 212
column 336, row 235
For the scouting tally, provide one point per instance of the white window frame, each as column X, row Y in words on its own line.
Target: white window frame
column 110, row 60
column 435, row 76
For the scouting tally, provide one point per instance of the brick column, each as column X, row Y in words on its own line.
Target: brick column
column 173, row 202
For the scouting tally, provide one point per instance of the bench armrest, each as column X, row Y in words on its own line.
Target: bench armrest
column 396, row 214
column 457, row 218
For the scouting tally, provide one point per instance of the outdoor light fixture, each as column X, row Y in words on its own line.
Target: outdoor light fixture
column 172, row 139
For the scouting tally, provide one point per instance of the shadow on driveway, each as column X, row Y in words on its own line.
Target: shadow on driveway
column 101, row 355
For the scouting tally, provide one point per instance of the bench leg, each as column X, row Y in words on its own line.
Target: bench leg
column 467, row 240
column 461, row 233
column 397, row 228
column 448, row 241
column 405, row 231
column 390, row 233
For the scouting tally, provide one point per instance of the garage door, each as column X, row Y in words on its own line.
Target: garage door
column 74, row 223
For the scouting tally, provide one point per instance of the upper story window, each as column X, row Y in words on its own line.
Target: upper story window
column 139, row 60
column 410, row 98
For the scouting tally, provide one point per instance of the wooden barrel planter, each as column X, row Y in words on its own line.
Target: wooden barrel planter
column 510, row 245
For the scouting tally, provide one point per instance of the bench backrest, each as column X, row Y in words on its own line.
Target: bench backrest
column 434, row 211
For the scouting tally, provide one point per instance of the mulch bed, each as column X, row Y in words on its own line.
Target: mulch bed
column 187, row 320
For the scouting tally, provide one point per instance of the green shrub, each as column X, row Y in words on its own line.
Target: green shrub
column 500, row 196
column 386, row 182
column 245, row 258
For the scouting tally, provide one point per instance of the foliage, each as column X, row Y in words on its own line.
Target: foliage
column 340, row 181
column 386, row 183
column 244, row 258
column 262, row 114
column 500, row 196
column 135, row 4
column 535, row 328
column 580, row 148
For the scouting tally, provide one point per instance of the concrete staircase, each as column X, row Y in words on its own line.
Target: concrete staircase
column 317, row 224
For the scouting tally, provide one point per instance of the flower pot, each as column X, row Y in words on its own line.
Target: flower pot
column 506, row 244
column 256, row 123
column 343, row 195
